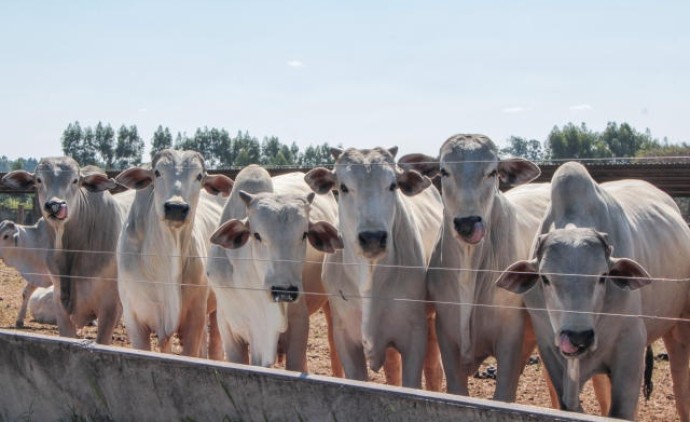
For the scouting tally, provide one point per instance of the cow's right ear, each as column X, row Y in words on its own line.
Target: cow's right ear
column 135, row 178
column 19, row 180
column 323, row 236
column 232, row 234
column 517, row 171
column 519, row 277
column 626, row 273
column 320, row 180
column 426, row 165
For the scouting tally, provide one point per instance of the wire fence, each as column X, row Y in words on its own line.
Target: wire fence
column 344, row 296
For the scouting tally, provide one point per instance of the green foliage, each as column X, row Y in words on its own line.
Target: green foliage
column 521, row 147
column 130, row 147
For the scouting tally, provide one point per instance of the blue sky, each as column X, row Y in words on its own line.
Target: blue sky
column 356, row 73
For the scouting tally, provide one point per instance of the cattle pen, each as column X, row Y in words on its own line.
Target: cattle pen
column 264, row 392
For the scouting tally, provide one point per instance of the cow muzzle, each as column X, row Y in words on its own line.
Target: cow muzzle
column 176, row 211
column 470, row 229
column 284, row 293
column 574, row 343
column 373, row 243
column 56, row 209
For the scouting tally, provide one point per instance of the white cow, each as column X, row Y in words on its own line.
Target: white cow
column 85, row 222
column 388, row 221
column 267, row 258
column 573, row 269
column 483, row 231
column 161, row 255
column 25, row 248
column 42, row 305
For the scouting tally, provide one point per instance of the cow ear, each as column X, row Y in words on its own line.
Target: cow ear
column 626, row 273
column 232, row 234
column 393, row 151
column 424, row 164
column 218, row 184
column 8, row 227
column 135, row 178
column 97, row 182
column 411, row 182
column 246, row 197
column 517, row 171
column 19, row 180
column 336, row 153
column 324, row 237
column 320, row 180
column 310, row 197
column 519, row 277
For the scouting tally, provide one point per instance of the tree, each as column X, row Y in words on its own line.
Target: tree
column 130, row 147
column 88, row 148
column 319, row 155
column 104, row 137
column 72, row 141
column 162, row 139
column 573, row 142
column 625, row 141
column 521, row 147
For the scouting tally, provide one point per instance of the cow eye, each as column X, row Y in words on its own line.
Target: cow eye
column 492, row 174
column 74, row 182
column 7, row 235
column 199, row 177
column 304, row 236
column 602, row 279
column 545, row 280
column 157, row 173
column 444, row 173
column 257, row 236
column 38, row 180
column 393, row 187
column 344, row 188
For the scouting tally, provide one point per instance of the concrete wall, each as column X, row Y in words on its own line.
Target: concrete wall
column 47, row 378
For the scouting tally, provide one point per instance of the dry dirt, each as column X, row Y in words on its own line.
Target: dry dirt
column 532, row 389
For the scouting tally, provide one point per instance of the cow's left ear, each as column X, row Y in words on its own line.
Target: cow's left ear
column 517, row 171
column 519, row 277
column 135, row 178
column 218, row 184
column 95, row 180
column 411, row 182
column 232, row 234
column 626, row 273
column 324, row 237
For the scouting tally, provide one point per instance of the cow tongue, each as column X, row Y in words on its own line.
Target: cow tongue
column 61, row 214
column 566, row 346
column 478, row 233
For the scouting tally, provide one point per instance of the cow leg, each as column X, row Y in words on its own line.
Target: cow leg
column 138, row 334
column 626, row 378
column 66, row 327
column 336, row 365
column 450, row 356
column 602, row 391
column 236, row 351
column 351, row 352
column 509, row 360
column 433, row 373
column 295, row 338
column 413, row 353
column 392, row 367
column 108, row 316
column 26, row 294
column 215, row 345
column 679, row 355
column 192, row 332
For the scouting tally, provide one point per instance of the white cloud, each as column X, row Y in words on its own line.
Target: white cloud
column 580, row 107
column 516, row 109
column 295, row 63
column 143, row 110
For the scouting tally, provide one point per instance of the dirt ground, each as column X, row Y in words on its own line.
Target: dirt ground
column 531, row 391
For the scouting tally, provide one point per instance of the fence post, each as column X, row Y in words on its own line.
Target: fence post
column 20, row 214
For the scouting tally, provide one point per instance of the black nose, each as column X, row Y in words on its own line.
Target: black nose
column 53, row 207
column 580, row 339
column 284, row 293
column 373, row 240
column 176, row 211
column 465, row 226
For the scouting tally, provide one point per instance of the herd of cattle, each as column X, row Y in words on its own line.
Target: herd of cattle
column 409, row 280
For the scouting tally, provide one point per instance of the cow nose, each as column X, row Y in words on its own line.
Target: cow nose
column 471, row 229
column 176, row 211
column 284, row 293
column 582, row 340
column 56, row 208
column 373, row 240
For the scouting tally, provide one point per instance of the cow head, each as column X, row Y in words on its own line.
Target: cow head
column 368, row 183
column 470, row 170
column 277, row 229
column 574, row 269
column 176, row 178
column 8, row 232
column 58, row 182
